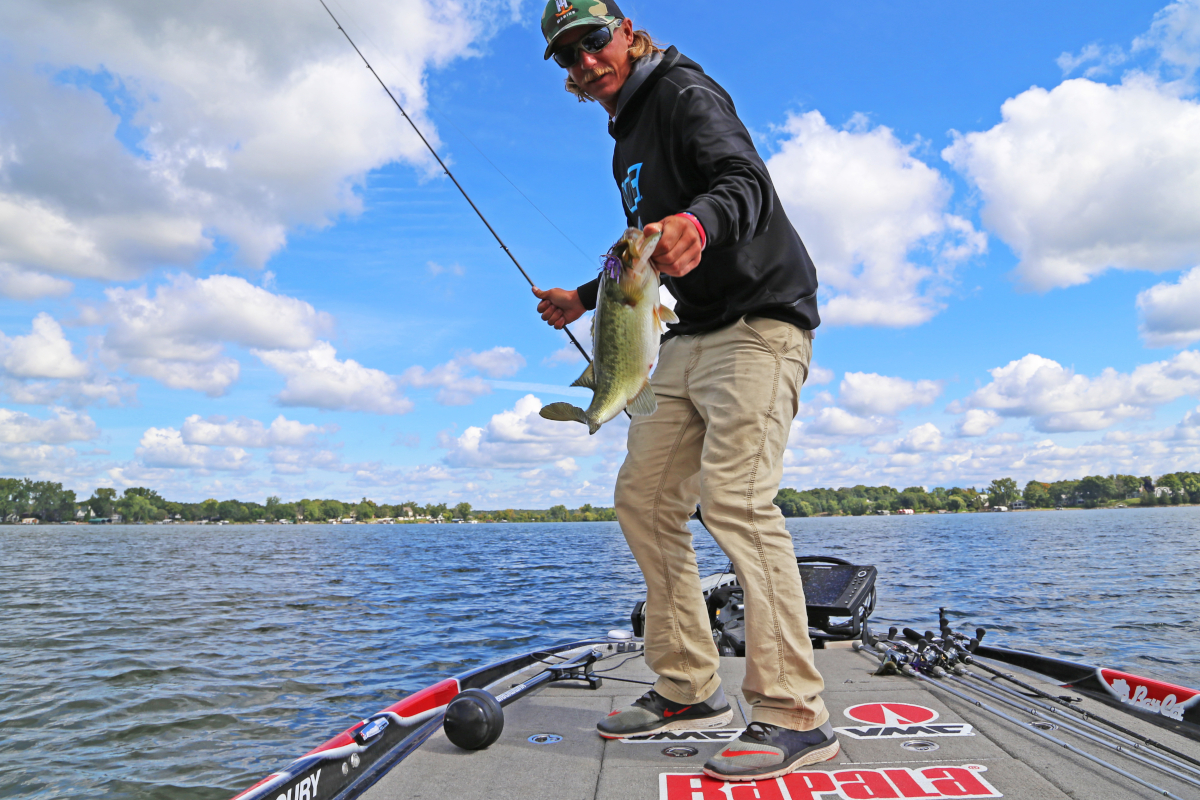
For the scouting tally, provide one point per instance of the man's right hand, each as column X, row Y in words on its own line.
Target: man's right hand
column 559, row 307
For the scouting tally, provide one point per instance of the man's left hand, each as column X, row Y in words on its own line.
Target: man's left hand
column 678, row 251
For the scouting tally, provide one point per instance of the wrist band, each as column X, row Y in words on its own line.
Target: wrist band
column 699, row 227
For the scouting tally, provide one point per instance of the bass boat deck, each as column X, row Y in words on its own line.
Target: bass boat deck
column 900, row 739
column 918, row 716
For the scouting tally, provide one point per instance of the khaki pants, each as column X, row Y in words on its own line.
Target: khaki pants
column 726, row 400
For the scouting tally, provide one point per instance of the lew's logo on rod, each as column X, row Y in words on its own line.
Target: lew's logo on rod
column 926, row 783
column 899, row 721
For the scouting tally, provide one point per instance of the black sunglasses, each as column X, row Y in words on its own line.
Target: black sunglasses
column 593, row 43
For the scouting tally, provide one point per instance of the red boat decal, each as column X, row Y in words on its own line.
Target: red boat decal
column 431, row 698
column 1163, row 698
column 890, row 714
column 926, row 783
column 264, row 781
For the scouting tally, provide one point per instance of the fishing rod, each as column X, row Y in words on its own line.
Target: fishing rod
column 894, row 658
column 948, row 656
column 449, row 174
column 970, row 657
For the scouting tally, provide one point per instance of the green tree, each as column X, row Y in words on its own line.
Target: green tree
column 210, row 508
column 136, row 508
column 1036, row 494
column 102, row 502
column 233, row 511
column 1002, row 492
column 1094, row 490
column 463, row 511
column 955, row 503
column 559, row 513
column 365, row 510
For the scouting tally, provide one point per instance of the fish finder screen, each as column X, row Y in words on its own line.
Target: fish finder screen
column 823, row 585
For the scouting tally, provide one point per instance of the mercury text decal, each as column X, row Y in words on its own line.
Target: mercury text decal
column 927, row 783
column 899, row 721
column 305, row 790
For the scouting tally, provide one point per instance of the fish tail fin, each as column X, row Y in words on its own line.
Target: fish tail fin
column 565, row 412
column 644, row 403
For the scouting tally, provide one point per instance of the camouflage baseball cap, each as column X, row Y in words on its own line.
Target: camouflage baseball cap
column 562, row 15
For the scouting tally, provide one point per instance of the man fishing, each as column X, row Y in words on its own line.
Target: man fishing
column 727, row 386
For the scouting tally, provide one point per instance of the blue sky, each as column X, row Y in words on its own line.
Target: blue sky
column 229, row 270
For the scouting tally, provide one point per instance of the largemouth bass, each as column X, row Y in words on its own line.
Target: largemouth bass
column 626, row 327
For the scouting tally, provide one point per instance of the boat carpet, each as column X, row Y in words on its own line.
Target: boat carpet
column 1007, row 760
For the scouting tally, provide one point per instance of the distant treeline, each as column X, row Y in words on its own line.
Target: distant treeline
column 1092, row 491
column 46, row 501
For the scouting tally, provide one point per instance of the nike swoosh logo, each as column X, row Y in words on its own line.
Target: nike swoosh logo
column 667, row 713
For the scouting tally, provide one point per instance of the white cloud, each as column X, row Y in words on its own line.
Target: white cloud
column 1088, row 177
column 43, row 353
column 867, row 393
column 818, row 375
column 832, row 425
column 977, row 422
column 80, row 392
column 1101, row 57
column 17, row 427
column 873, row 217
column 244, row 432
column 231, row 120
column 177, row 335
column 1170, row 312
column 455, row 387
column 1059, row 400
column 921, row 439
column 24, row 284
column 318, row 379
column 295, row 461
column 569, row 353
column 164, row 447
column 521, row 438
column 1175, row 35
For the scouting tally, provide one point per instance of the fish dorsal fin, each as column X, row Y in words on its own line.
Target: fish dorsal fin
column 644, row 403
column 587, row 379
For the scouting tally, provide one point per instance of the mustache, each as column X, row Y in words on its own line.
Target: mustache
column 594, row 74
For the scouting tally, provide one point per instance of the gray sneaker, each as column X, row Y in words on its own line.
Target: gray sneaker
column 653, row 713
column 767, row 751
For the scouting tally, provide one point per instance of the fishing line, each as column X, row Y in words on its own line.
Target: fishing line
column 450, row 121
column 446, row 170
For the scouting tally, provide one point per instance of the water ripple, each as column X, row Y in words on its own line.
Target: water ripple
column 149, row 662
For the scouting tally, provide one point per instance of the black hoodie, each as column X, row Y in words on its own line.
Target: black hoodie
column 681, row 147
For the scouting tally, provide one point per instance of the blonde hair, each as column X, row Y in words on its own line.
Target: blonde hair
column 643, row 44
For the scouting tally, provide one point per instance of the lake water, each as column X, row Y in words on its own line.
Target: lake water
column 188, row 662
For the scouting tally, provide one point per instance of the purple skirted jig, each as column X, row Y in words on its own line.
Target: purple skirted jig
column 611, row 266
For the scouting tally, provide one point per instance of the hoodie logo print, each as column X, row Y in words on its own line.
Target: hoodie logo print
column 631, row 193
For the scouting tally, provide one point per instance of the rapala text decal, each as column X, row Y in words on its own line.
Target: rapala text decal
column 927, row 783
column 899, row 721
column 704, row 735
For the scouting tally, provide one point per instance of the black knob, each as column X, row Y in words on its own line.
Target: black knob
column 474, row 720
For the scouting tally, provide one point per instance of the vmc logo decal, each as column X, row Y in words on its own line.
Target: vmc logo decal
column 898, row 721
